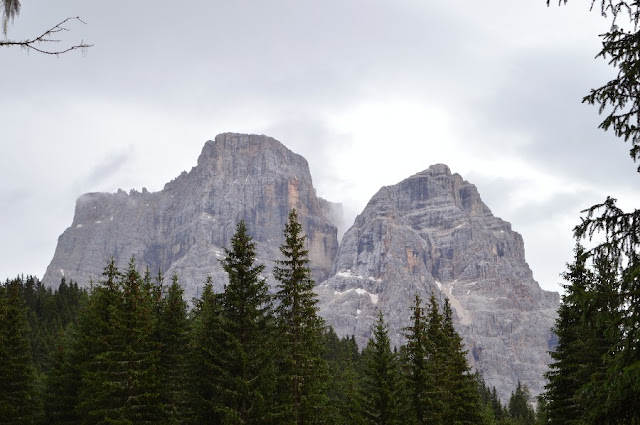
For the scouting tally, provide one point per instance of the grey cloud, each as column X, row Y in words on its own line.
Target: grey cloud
column 109, row 166
column 282, row 67
column 15, row 197
column 536, row 102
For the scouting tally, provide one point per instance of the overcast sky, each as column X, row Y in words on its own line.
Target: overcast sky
column 369, row 92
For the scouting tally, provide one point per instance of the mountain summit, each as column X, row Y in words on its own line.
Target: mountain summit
column 183, row 228
column 432, row 234
column 429, row 234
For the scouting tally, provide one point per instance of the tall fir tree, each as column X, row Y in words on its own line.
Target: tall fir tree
column 247, row 378
column 437, row 395
column 618, row 233
column 415, row 353
column 463, row 406
column 62, row 383
column 575, row 357
column 17, row 394
column 303, row 371
column 204, row 363
column 381, row 382
column 343, row 391
column 588, row 328
column 173, row 337
column 519, row 408
column 119, row 356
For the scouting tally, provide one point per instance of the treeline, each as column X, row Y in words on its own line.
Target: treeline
column 595, row 376
column 131, row 352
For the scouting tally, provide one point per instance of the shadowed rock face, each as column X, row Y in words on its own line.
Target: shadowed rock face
column 183, row 228
column 432, row 234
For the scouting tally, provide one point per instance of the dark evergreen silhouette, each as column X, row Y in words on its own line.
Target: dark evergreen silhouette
column 416, row 351
column 613, row 396
column 173, row 337
column 17, row 378
column 343, row 390
column 382, row 395
column 303, row 371
column 463, row 404
column 204, row 363
column 119, row 367
column 247, row 378
column 519, row 408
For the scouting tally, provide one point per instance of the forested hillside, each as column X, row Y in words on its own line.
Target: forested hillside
column 130, row 351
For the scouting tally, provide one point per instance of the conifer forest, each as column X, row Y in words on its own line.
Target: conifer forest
column 130, row 350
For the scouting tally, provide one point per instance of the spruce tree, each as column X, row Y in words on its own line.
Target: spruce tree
column 204, row 364
column 463, row 405
column 173, row 337
column 618, row 232
column 581, row 388
column 62, row 384
column 246, row 388
column 302, row 369
column 381, row 385
column 140, row 356
column 17, row 392
column 519, row 408
column 119, row 356
column 343, row 389
column 572, row 356
column 437, row 395
column 416, row 352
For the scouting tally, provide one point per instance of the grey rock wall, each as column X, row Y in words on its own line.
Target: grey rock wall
column 432, row 234
column 184, row 227
column 429, row 234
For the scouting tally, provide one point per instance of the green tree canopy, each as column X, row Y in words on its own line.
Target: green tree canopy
column 303, row 371
column 381, row 383
column 17, row 397
column 246, row 385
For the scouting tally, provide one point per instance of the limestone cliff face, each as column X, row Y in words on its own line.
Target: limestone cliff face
column 432, row 234
column 184, row 227
column 429, row 234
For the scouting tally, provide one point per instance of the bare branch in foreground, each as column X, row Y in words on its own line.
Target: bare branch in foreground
column 48, row 37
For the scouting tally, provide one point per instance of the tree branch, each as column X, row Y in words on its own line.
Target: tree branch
column 48, row 37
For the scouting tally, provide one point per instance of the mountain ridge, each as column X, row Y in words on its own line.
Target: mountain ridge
column 431, row 233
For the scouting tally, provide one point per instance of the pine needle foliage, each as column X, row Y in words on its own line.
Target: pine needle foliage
column 619, row 99
column 613, row 394
column 303, row 371
column 463, row 405
column 119, row 358
column 381, row 383
column 247, row 380
column 416, row 357
column 173, row 339
column 204, row 364
column 17, row 379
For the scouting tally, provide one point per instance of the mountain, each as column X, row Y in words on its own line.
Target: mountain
column 429, row 234
column 183, row 228
column 432, row 234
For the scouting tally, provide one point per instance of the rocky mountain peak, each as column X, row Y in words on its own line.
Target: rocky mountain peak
column 429, row 234
column 437, row 169
column 253, row 155
column 184, row 227
column 432, row 234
